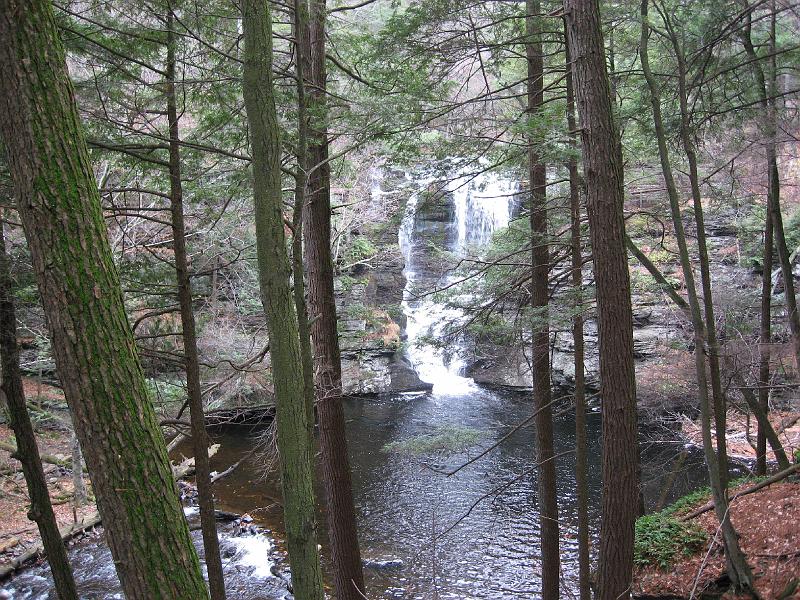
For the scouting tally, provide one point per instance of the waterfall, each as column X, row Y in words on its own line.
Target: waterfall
column 407, row 231
column 482, row 205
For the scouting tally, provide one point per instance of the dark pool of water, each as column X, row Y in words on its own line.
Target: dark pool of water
column 470, row 535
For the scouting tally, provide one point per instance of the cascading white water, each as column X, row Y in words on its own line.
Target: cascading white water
column 483, row 204
column 407, row 230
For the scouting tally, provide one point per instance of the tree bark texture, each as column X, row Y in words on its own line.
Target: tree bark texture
column 294, row 439
column 604, row 185
column 93, row 344
column 348, row 578
column 540, row 293
column 576, row 256
column 302, row 65
column 208, row 520
column 41, row 510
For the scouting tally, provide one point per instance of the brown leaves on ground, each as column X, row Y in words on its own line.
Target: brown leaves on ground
column 18, row 534
column 36, row 391
column 741, row 433
column 384, row 329
column 768, row 525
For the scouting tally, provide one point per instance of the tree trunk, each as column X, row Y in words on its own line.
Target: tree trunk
column 78, row 485
column 581, row 438
column 604, row 183
column 348, row 578
column 540, row 293
column 773, row 233
column 294, row 439
column 738, row 569
column 717, row 394
column 208, row 521
column 767, row 95
column 750, row 398
column 666, row 286
column 93, row 344
column 41, row 510
column 764, row 426
column 765, row 337
column 300, row 195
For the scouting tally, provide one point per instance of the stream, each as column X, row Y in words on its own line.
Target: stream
column 423, row 534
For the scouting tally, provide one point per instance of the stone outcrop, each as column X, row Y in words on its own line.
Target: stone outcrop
column 509, row 367
column 371, row 321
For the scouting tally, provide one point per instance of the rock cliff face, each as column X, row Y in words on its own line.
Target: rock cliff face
column 660, row 330
column 373, row 361
column 372, row 324
column 368, row 299
column 509, row 367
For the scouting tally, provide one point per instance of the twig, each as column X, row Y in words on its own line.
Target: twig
column 499, row 489
column 762, row 484
column 233, row 467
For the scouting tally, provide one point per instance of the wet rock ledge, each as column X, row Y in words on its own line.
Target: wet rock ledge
column 368, row 302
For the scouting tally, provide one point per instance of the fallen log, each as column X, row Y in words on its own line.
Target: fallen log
column 183, row 469
column 67, row 533
column 781, row 475
column 176, row 441
column 48, row 458
column 186, row 466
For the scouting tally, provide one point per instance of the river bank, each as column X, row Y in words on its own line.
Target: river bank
column 768, row 531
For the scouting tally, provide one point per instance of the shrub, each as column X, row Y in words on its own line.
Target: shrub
column 362, row 249
column 660, row 537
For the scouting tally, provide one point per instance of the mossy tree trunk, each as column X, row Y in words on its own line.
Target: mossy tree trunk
column 208, row 521
column 540, row 295
column 294, row 439
column 302, row 66
column 93, row 344
column 41, row 510
column 604, row 187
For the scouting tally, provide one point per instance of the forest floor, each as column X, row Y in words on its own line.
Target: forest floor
column 770, row 537
column 18, row 534
column 741, row 433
